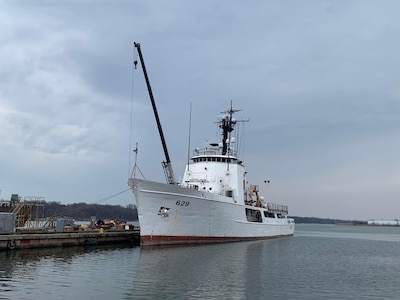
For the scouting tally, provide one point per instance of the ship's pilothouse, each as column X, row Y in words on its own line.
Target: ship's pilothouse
column 213, row 171
column 216, row 168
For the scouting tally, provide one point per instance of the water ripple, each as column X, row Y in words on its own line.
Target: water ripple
column 332, row 262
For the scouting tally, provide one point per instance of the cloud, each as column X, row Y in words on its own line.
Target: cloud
column 318, row 79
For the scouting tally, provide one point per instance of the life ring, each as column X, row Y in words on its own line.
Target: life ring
column 11, row 245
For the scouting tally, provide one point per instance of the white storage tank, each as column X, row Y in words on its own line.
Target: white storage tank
column 7, row 223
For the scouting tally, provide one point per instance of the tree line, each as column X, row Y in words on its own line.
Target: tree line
column 83, row 211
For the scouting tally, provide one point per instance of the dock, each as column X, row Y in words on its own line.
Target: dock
column 21, row 228
column 15, row 241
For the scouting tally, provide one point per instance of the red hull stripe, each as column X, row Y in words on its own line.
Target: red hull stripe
column 149, row 240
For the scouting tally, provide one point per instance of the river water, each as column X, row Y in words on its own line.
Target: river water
column 319, row 262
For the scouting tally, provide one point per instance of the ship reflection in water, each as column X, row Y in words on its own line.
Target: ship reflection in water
column 204, row 271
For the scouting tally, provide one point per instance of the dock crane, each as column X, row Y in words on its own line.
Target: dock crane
column 169, row 173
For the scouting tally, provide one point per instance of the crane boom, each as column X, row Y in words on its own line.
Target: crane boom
column 169, row 174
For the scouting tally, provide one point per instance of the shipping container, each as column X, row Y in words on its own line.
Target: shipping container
column 65, row 225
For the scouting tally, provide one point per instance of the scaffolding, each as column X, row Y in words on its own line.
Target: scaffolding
column 27, row 211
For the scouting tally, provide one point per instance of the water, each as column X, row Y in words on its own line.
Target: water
column 320, row 261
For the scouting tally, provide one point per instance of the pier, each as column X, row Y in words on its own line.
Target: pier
column 21, row 228
column 17, row 241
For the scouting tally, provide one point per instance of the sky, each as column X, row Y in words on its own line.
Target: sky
column 318, row 79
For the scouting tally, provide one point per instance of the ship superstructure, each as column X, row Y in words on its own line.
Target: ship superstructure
column 212, row 203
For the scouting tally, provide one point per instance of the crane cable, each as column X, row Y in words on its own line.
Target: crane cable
column 77, row 209
column 84, row 205
column 134, row 58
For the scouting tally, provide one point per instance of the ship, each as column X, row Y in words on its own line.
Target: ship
column 213, row 202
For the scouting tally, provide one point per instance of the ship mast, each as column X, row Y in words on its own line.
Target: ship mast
column 227, row 125
column 169, row 173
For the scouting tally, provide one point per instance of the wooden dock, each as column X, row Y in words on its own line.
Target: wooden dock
column 17, row 241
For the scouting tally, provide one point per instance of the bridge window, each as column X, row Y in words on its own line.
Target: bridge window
column 253, row 215
column 269, row 214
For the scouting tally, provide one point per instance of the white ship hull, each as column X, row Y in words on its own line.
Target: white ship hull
column 214, row 201
column 172, row 214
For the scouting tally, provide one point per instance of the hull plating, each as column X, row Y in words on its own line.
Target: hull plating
column 170, row 214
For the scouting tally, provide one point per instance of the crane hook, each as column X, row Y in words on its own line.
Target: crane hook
column 135, row 64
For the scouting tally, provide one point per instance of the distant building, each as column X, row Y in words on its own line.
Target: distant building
column 383, row 222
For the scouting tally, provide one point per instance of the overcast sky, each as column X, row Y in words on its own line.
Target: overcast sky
column 319, row 80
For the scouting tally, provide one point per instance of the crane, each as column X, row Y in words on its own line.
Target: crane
column 167, row 166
